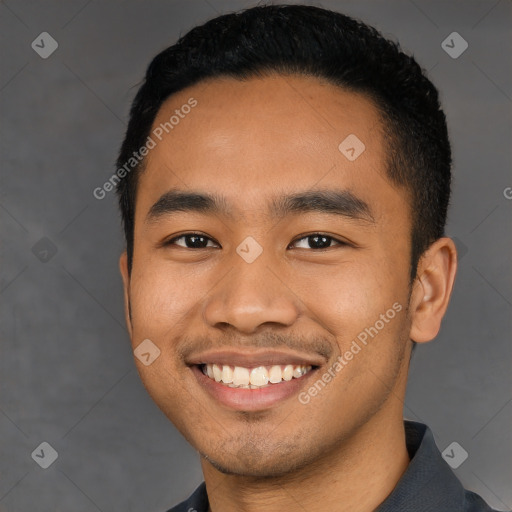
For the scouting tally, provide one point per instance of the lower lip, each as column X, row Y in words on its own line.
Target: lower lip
column 242, row 399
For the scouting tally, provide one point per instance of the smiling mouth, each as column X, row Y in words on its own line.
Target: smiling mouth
column 254, row 378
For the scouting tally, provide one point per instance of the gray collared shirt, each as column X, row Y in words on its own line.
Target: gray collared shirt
column 428, row 484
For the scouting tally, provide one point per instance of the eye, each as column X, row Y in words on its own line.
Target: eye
column 191, row 241
column 317, row 241
column 200, row 241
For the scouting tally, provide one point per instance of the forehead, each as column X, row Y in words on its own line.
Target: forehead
column 249, row 139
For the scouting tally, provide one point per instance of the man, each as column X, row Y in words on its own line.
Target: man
column 284, row 182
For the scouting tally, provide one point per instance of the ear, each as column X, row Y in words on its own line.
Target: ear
column 123, row 267
column 432, row 289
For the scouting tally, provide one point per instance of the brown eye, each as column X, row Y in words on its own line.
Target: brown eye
column 318, row 241
column 191, row 241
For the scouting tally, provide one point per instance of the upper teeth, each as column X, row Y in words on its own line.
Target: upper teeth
column 239, row 376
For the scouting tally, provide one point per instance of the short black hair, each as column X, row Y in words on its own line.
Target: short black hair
column 310, row 41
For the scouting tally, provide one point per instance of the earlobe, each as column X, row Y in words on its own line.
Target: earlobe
column 432, row 289
column 123, row 267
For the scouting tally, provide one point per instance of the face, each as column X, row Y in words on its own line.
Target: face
column 298, row 255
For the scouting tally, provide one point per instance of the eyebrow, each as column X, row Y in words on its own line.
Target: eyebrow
column 327, row 201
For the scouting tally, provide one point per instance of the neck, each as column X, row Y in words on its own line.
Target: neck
column 358, row 476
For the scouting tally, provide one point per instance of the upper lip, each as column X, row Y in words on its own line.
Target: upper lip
column 253, row 359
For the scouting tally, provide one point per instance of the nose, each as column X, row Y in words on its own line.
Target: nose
column 251, row 295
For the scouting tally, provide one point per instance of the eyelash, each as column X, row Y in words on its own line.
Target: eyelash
column 185, row 235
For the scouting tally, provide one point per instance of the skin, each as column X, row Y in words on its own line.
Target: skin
column 250, row 141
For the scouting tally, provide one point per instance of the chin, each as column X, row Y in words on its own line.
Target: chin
column 252, row 471
column 251, row 461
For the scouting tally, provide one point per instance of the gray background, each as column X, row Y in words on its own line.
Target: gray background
column 66, row 367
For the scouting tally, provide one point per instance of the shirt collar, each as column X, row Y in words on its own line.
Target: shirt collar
column 428, row 482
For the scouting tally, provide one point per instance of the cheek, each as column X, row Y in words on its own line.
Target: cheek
column 349, row 297
column 363, row 306
column 161, row 298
